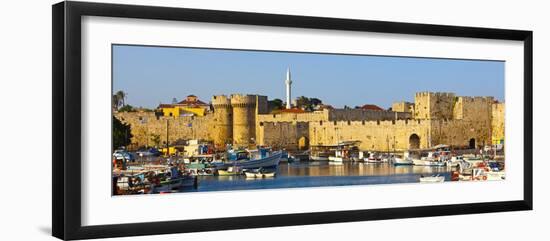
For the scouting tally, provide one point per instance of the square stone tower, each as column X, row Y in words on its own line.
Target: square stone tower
column 434, row 105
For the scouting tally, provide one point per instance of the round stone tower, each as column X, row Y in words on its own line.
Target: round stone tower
column 222, row 132
column 244, row 119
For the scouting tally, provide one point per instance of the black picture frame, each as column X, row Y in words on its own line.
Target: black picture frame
column 66, row 75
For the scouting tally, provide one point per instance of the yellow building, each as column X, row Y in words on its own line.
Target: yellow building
column 191, row 106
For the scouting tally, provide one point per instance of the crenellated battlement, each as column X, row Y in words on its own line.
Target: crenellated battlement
column 382, row 123
column 240, row 100
column 221, row 101
column 434, row 94
column 434, row 105
column 478, row 99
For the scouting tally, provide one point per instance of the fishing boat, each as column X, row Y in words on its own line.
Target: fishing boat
column 402, row 161
column 285, row 157
column 200, row 169
column 239, row 159
column 174, row 182
column 297, row 157
column 486, row 171
column 432, row 179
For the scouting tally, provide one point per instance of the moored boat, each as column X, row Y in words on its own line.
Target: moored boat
column 402, row 161
column 260, row 173
column 230, row 171
column 265, row 160
column 428, row 162
column 320, row 156
column 431, row 160
column 173, row 182
column 338, row 156
column 372, row 158
column 297, row 157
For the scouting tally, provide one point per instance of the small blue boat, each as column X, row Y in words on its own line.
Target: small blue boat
column 239, row 159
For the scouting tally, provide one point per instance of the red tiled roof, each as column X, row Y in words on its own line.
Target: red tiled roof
column 371, row 107
column 165, row 106
column 188, row 103
column 293, row 110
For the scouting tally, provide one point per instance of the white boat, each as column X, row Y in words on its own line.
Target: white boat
column 405, row 161
column 269, row 160
column 430, row 160
column 432, row 179
column 372, row 158
column 259, row 174
column 231, row 171
column 483, row 174
column 335, row 159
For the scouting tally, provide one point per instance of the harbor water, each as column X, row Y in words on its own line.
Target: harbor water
column 320, row 174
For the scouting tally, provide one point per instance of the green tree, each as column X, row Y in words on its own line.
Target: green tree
column 306, row 103
column 122, row 133
column 115, row 102
column 315, row 101
column 276, row 104
column 127, row 108
column 121, row 97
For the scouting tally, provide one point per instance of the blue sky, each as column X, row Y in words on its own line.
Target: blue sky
column 151, row 75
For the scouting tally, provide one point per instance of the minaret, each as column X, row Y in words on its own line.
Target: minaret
column 288, row 84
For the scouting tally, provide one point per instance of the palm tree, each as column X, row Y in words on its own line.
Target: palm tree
column 121, row 96
column 115, row 102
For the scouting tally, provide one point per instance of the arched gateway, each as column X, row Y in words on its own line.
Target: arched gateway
column 414, row 141
column 303, row 143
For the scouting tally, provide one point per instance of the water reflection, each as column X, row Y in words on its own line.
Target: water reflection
column 353, row 169
column 317, row 174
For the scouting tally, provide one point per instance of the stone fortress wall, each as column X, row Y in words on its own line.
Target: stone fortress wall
column 434, row 118
column 371, row 135
column 244, row 120
column 222, row 128
column 497, row 123
column 145, row 125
